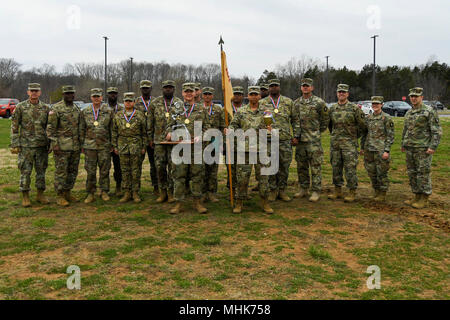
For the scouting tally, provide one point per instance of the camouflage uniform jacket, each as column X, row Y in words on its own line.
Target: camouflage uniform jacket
column 117, row 108
column 129, row 140
column 421, row 128
column 139, row 105
column 380, row 133
column 178, row 117
column 246, row 119
column 216, row 116
column 28, row 124
column 63, row 128
column 347, row 123
column 314, row 118
column 157, row 120
column 284, row 119
column 96, row 137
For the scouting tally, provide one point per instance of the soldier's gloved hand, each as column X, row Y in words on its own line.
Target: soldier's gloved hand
column 15, row 150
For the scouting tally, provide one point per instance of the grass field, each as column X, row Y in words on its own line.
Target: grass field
column 303, row 251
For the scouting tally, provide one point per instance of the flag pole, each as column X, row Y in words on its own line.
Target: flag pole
column 230, row 180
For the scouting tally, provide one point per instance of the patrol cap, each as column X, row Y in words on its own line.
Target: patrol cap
column 417, row 91
column 342, row 87
column 274, row 82
column 377, row 99
column 307, row 81
column 128, row 96
column 68, row 89
column 34, row 86
column 96, row 92
column 146, row 84
column 197, row 85
column 188, row 86
column 254, row 89
column 264, row 86
column 168, row 83
column 112, row 89
column 238, row 89
column 208, row 90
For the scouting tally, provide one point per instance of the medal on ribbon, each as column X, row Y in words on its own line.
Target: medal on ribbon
column 234, row 108
column 276, row 105
column 188, row 114
column 167, row 108
column 146, row 106
column 95, row 115
column 128, row 125
column 210, row 108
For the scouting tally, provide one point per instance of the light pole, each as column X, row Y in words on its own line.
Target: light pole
column 106, row 65
column 326, row 81
column 130, row 86
column 374, row 64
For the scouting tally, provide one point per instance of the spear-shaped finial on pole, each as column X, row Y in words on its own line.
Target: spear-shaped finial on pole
column 221, row 42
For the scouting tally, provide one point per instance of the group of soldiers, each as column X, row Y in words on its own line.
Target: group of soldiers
column 145, row 125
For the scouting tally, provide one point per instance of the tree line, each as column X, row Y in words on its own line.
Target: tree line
column 393, row 82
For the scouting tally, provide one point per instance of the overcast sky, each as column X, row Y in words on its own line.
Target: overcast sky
column 258, row 34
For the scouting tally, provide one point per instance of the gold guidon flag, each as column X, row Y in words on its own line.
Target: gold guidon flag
column 226, row 87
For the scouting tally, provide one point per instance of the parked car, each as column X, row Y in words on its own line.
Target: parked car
column 366, row 107
column 7, row 106
column 436, row 105
column 218, row 102
column 396, row 108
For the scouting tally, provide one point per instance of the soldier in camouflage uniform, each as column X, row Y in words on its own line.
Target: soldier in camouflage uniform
column 113, row 103
column 217, row 121
column 236, row 103
column 63, row 130
column 281, row 108
column 143, row 105
column 198, row 93
column 29, row 141
column 420, row 139
column 183, row 116
column 157, row 123
column 129, row 140
column 314, row 119
column 250, row 117
column 347, row 123
column 375, row 146
column 95, row 137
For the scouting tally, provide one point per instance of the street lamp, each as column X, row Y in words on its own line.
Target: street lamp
column 374, row 65
column 326, row 81
column 130, row 85
column 106, row 65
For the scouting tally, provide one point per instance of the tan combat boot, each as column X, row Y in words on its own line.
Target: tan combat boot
column 136, row 197
column 69, row 197
column 176, row 209
column 170, row 198
column 61, row 200
column 266, row 206
column 315, row 196
column 422, row 203
column 126, row 197
column 212, row 197
column 26, row 199
column 283, row 196
column 90, row 198
column 411, row 201
column 376, row 193
column 301, row 193
column 381, row 196
column 41, row 198
column 105, row 197
column 238, row 206
column 118, row 191
column 337, row 194
column 162, row 196
column 199, row 206
column 351, row 196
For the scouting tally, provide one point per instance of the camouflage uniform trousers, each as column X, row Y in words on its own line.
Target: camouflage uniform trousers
column 211, row 171
column 196, row 174
column 309, row 155
column 279, row 181
column 377, row 169
column 418, row 164
column 243, row 173
column 163, row 164
column 102, row 159
column 233, row 167
column 66, row 169
column 344, row 159
column 131, row 165
column 151, row 159
column 29, row 157
column 117, row 171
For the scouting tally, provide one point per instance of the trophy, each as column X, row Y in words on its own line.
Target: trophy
column 268, row 119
